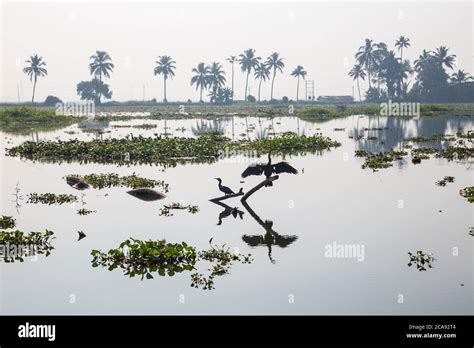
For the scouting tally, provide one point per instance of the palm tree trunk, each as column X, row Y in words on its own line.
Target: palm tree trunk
column 259, row 86
column 298, row 88
column 232, row 81
column 164, row 83
column 273, row 80
column 246, row 85
column 368, row 74
column 358, row 87
column 100, row 90
column 34, row 88
column 200, row 96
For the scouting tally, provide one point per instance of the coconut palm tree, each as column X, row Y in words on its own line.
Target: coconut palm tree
column 216, row 79
column 232, row 60
column 423, row 57
column 262, row 73
column 442, row 57
column 101, row 65
column 298, row 72
column 460, row 77
column 201, row 79
column 357, row 72
column 400, row 43
column 276, row 63
column 248, row 61
column 165, row 66
column 365, row 56
column 36, row 68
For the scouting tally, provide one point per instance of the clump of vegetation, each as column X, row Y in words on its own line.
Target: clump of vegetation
column 27, row 119
column 456, row 153
column 50, row 198
column 445, row 180
column 421, row 260
column 145, row 258
column 164, row 150
column 166, row 210
column 107, row 180
column 468, row 192
column 380, row 160
column 7, row 222
column 431, row 138
column 84, row 211
column 138, row 126
column 16, row 245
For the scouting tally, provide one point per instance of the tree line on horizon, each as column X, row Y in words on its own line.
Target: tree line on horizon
column 388, row 74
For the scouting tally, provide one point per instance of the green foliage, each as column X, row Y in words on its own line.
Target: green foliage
column 431, row 138
column 166, row 210
column 51, row 100
column 421, row 260
column 445, row 180
column 468, row 193
column 84, row 211
column 7, row 222
column 50, row 198
column 106, row 180
column 16, row 245
column 93, row 90
column 380, row 160
column 251, row 99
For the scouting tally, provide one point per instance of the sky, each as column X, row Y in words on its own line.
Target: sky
column 322, row 36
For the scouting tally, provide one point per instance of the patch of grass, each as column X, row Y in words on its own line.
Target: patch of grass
column 7, row 222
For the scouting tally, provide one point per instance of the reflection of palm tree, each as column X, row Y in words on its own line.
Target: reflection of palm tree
column 34, row 70
column 270, row 238
column 214, row 126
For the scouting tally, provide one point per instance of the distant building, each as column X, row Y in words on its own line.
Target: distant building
column 336, row 99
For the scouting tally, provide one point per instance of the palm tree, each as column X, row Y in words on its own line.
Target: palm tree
column 358, row 72
column 442, row 57
column 165, row 66
column 201, row 79
column 298, row 72
column 232, row 60
column 101, row 65
column 366, row 57
column 460, row 77
column 248, row 61
column 262, row 73
column 35, row 68
column 402, row 42
column 423, row 57
column 276, row 63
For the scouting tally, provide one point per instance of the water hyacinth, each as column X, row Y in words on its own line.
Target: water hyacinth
column 468, row 193
column 7, row 222
column 107, row 180
column 166, row 210
column 50, row 198
column 16, row 245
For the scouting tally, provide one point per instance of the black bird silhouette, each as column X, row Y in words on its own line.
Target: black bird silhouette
column 227, row 191
column 269, row 169
column 81, row 235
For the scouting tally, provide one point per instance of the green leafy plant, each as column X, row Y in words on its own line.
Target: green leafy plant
column 468, row 192
column 50, row 198
column 16, row 245
column 421, row 260
column 7, row 222
column 166, row 210
column 107, row 180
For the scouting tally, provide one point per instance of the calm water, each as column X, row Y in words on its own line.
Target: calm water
column 334, row 200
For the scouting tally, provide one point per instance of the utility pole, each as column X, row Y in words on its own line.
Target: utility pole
column 143, row 92
column 18, row 93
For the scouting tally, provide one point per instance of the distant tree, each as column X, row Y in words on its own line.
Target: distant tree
column 357, row 72
column 424, row 56
column 232, row 60
column 276, row 63
column 400, row 43
column 51, row 100
column 93, row 90
column 442, row 57
column 221, row 96
column 201, row 79
column 460, row 77
column 165, row 66
column 251, row 98
column 101, row 65
column 365, row 56
column 262, row 73
column 248, row 61
column 34, row 69
column 298, row 72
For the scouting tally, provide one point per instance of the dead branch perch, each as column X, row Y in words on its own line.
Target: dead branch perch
column 217, row 199
column 258, row 187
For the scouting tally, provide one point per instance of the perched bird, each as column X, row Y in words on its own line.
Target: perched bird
column 269, row 169
column 227, row 191
column 81, row 235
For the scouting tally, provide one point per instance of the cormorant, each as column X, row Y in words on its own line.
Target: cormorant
column 81, row 235
column 268, row 169
column 227, row 191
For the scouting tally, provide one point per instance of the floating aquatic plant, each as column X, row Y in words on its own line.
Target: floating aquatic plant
column 146, row 258
column 421, row 260
column 107, row 180
column 431, row 138
column 445, row 180
column 7, row 222
column 84, row 211
column 166, row 210
column 468, row 192
column 380, row 160
column 16, row 245
column 50, row 198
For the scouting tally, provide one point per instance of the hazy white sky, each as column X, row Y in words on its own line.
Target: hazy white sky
column 321, row 36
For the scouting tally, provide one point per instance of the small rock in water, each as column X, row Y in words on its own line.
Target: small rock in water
column 146, row 194
column 81, row 235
